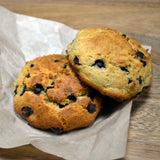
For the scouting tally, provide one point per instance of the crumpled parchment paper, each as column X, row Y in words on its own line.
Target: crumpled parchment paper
column 22, row 38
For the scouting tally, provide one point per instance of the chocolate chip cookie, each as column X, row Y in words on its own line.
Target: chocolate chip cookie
column 111, row 62
column 49, row 95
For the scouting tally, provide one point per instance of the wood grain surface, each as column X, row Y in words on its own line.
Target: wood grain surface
column 139, row 18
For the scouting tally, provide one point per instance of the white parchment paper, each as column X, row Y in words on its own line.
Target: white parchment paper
column 22, row 38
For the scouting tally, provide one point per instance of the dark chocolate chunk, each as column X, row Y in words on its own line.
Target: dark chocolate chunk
column 24, row 89
column 52, row 83
column 62, row 106
column 99, row 63
column 124, row 35
column 26, row 111
column 129, row 81
column 57, row 130
column 140, row 80
column 49, row 88
column 38, row 89
column 31, row 65
column 76, row 60
column 124, row 69
column 72, row 97
column 56, row 60
column 140, row 54
column 65, row 66
column 28, row 75
column 15, row 91
column 144, row 63
column 91, row 108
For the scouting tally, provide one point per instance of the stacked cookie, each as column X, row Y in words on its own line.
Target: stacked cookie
column 49, row 95
column 57, row 92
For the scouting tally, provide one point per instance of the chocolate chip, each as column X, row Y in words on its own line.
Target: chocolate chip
column 140, row 80
column 52, row 83
column 76, row 60
column 124, row 35
column 56, row 60
column 57, row 130
column 129, row 81
column 26, row 111
column 124, row 69
column 65, row 66
column 144, row 63
column 62, row 106
column 24, row 89
column 15, row 91
column 28, row 75
column 72, row 97
column 49, row 88
column 91, row 108
column 38, row 89
column 32, row 65
column 140, row 54
column 99, row 63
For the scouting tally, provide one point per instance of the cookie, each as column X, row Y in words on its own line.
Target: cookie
column 111, row 62
column 49, row 95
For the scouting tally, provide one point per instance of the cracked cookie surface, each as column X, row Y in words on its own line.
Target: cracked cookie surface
column 49, row 95
column 111, row 62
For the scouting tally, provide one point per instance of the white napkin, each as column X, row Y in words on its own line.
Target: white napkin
column 22, row 38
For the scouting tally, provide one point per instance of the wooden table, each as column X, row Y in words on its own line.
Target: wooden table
column 142, row 20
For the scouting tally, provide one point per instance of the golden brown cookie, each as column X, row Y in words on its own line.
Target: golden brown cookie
column 111, row 62
column 49, row 95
